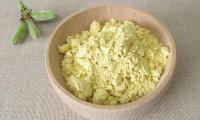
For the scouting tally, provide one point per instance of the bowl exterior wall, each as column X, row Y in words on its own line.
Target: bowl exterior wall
column 81, row 21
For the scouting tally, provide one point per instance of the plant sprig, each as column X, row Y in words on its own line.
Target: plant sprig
column 28, row 17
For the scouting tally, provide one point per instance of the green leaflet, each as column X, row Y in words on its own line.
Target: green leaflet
column 33, row 30
column 44, row 15
column 20, row 33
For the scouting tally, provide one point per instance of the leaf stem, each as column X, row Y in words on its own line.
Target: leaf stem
column 24, row 11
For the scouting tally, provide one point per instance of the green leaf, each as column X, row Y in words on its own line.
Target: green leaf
column 20, row 33
column 44, row 15
column 33, row 30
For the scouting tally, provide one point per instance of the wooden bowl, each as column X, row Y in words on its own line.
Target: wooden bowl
column 80, row 21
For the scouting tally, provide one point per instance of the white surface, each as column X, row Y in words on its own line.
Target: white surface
column 26, row 93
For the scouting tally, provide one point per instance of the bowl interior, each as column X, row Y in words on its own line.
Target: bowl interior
column 81, row 21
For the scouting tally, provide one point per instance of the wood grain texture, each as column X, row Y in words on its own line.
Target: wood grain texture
column 80, row 21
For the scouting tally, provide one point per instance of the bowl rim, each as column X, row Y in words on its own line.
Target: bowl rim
column 112, row 108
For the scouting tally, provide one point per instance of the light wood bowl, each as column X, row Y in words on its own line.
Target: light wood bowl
column 80, row 21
